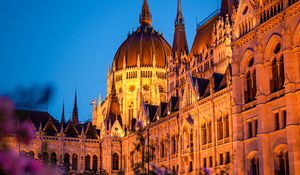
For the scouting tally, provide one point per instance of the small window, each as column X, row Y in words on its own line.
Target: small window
column 284, row 119
column 210, row 161
column 255, row 123
column 277, row 48
column 250, row 129
column 191, row 167
column 250, row 63
column 221, row 159
column 245, row 10
column 115, row 162
column 276, row 121
column 227, row 160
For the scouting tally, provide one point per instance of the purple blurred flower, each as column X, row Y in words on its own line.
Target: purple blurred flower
column 6, row 105
column 206, row 171
column 25, row 133
column 13, row 164
column 7, row 159
column 159, row 171
column 34, row 167
column 6, row 115
column 140, row 124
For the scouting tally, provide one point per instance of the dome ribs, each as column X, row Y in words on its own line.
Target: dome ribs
column 145, row 45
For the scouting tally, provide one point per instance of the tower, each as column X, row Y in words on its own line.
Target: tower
column 180, row 45
column 62, row 120
column 139, row 69
column 75, row 110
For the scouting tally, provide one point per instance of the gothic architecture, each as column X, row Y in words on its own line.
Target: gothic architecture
column 229, row 102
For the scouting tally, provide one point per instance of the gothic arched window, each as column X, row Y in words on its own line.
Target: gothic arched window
column 95, row 163
column 173, row 144
column 191, row 139
column 253, row 90
column 45, row 157
column 226, row 126
column 209, row 132
column 53, row 159
column 220, row 128
column 250, row 91
column 282, row 163
column 277, row 66
column 162, row 149
column 115, row 163
column 254, row 166
column 204, row 134
column 274, row 80
column 67, row 160
column 281, row 73
column 87, row 162
column 185, row 139
column 74, row 161
column 31, row 154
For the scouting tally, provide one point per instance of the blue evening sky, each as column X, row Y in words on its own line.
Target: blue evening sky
column 70, row 43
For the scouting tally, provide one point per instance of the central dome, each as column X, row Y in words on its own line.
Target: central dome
column 145, row 47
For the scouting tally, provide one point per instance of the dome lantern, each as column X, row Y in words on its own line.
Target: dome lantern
column 145, row 16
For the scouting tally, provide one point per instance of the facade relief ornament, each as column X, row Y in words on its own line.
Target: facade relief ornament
column 287, row 37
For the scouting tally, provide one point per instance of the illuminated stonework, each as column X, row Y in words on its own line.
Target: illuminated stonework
column 230, row 102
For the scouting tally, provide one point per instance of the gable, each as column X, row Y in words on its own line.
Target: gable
column 244, row 18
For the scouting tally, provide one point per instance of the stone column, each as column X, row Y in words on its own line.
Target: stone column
column 237, row 119
column 238, row 145
column 263, row 138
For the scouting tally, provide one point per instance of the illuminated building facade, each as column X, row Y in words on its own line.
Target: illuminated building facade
column 230, row 102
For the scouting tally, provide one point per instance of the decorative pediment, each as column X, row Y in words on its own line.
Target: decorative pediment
column 50, row 128
column 90, row 132
column 190, row 93
column 244, row 19
column 117, row 130
column 71, row 130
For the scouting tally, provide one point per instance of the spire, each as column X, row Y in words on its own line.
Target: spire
column 99, row 101
column 75, row 110
column 61, row 130
column 145, row 16
column 62, row 120
column 179, row 18
column 179, row 42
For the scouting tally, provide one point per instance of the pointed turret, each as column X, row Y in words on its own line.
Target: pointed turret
column 179, row 17
column 62, row 119
column 180, row 45
column 227, row 7
column 94, row 112
column 75, row 111
column 40, row 128
column 99, row 102
column 145, row 16
column 61, row 130
column 82, row 132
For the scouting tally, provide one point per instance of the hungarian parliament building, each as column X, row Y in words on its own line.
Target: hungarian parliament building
column 228, row 103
